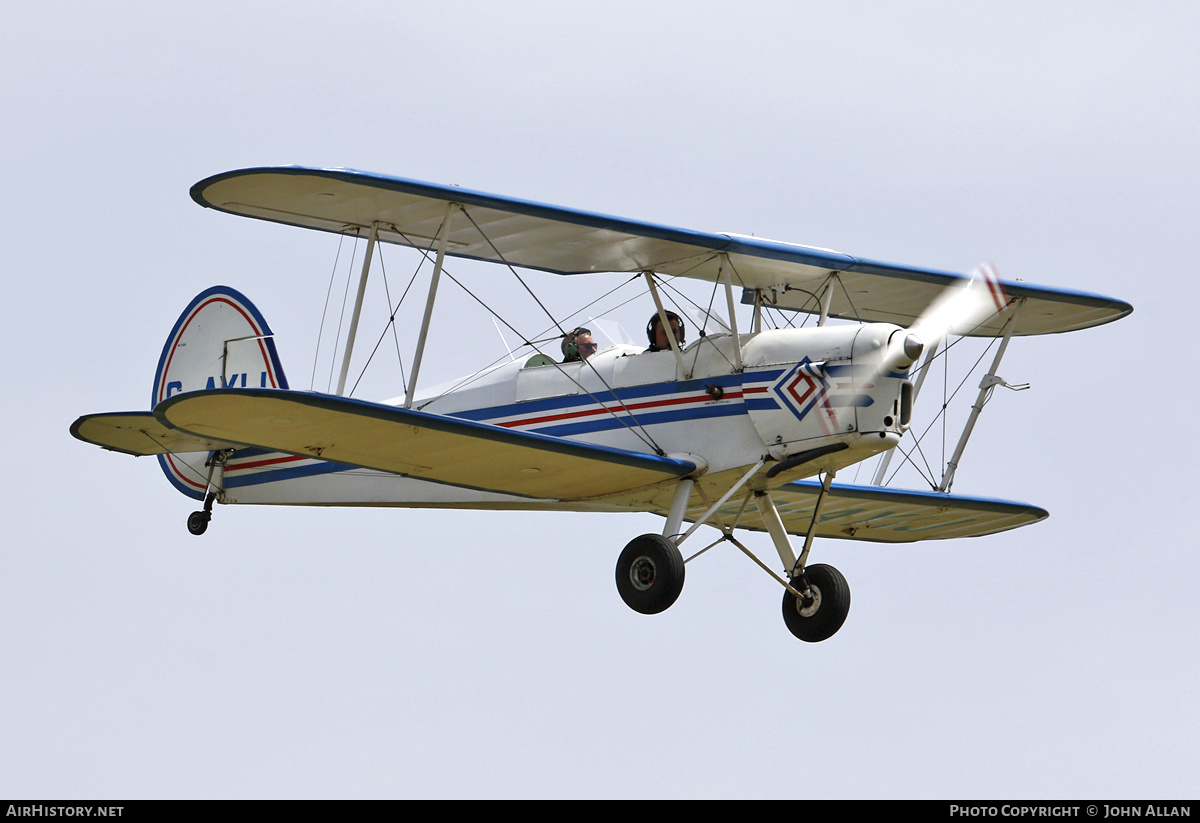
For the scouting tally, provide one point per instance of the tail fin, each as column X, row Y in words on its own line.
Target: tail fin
column 220, row 341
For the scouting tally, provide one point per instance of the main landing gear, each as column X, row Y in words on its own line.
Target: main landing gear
column 816, row 600
column 822, row 605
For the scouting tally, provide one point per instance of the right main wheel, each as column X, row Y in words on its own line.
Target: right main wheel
column 650, row 574
column 819, row 616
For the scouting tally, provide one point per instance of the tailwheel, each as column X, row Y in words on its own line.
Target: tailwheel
column 650, row 574
column 821, row 612
column 197, row 522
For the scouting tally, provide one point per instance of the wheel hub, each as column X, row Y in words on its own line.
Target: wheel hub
column 642, row 573
column 808, row 606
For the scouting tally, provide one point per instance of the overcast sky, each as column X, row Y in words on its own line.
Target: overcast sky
column 397, row 653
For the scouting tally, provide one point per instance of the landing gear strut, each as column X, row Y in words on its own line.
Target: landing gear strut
column 197, row 522
column 817, row 599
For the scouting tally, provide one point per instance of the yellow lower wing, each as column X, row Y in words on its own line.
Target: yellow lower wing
column 886, row 515
column 140, row 434
column 416, row 444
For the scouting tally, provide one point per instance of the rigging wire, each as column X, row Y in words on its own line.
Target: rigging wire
column 849, row 300
column 909, row 460
column 639, row 295
column 941, row 416
column 391, row 322
column 945, row 402
column 341, row 316
column 470, row 378
column 643, row 435
column 179, row 457
column 668, row 287
column 312, row 382
column 387, row 293
column 488, row 240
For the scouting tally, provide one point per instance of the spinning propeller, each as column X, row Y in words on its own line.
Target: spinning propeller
column 960, row 308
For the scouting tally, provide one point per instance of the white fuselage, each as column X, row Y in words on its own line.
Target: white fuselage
column 785, row 393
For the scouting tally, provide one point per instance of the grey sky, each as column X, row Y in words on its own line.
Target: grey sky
column 332, row 653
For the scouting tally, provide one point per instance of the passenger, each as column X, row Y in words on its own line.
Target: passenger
column 578, row 345
column 658, row 337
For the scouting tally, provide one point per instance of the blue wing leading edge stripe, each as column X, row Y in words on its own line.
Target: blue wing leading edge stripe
column 604, row 422
column 457, row 426
column 752, row 247
column 470, row 197
column 924, row 498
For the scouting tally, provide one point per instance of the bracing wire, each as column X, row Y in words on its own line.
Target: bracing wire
column 941, row 416
column 643, row 434
column 341, row 317
column 676, row 296
column 390, row 324
column 312, row 382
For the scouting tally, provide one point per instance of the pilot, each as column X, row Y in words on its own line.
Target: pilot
column 658, row 337
column 578, row 345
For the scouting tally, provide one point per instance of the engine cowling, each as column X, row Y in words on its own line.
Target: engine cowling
column 832, row 384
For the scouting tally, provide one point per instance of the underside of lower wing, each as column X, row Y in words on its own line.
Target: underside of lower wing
column 415, row 444
column 886, row 515
column 140, row 434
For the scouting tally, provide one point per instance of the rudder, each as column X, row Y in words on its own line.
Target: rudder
column 221, row 340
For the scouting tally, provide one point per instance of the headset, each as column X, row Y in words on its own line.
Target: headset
column 569, row 348
column 655, row 320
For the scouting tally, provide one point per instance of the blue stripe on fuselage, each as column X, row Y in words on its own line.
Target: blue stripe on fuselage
column 623, row 396
column 617, row 420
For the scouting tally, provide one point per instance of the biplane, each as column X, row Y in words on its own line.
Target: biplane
column 743, row 428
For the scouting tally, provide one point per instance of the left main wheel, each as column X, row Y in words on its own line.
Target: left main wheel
column 650, row 574
column 819, row 616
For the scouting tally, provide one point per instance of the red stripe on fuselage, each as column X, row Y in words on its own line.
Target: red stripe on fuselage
column 255, row 464
column 676, row 401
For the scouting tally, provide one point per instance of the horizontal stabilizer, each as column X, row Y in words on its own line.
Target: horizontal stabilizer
column 886, row 515
column 416, row 444
column 140, row 434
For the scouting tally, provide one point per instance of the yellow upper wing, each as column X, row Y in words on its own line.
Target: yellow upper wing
column 569, row 241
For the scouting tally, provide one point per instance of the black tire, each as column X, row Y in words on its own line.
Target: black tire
column 650, row 574
column 821, row 617
column 198, row 522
